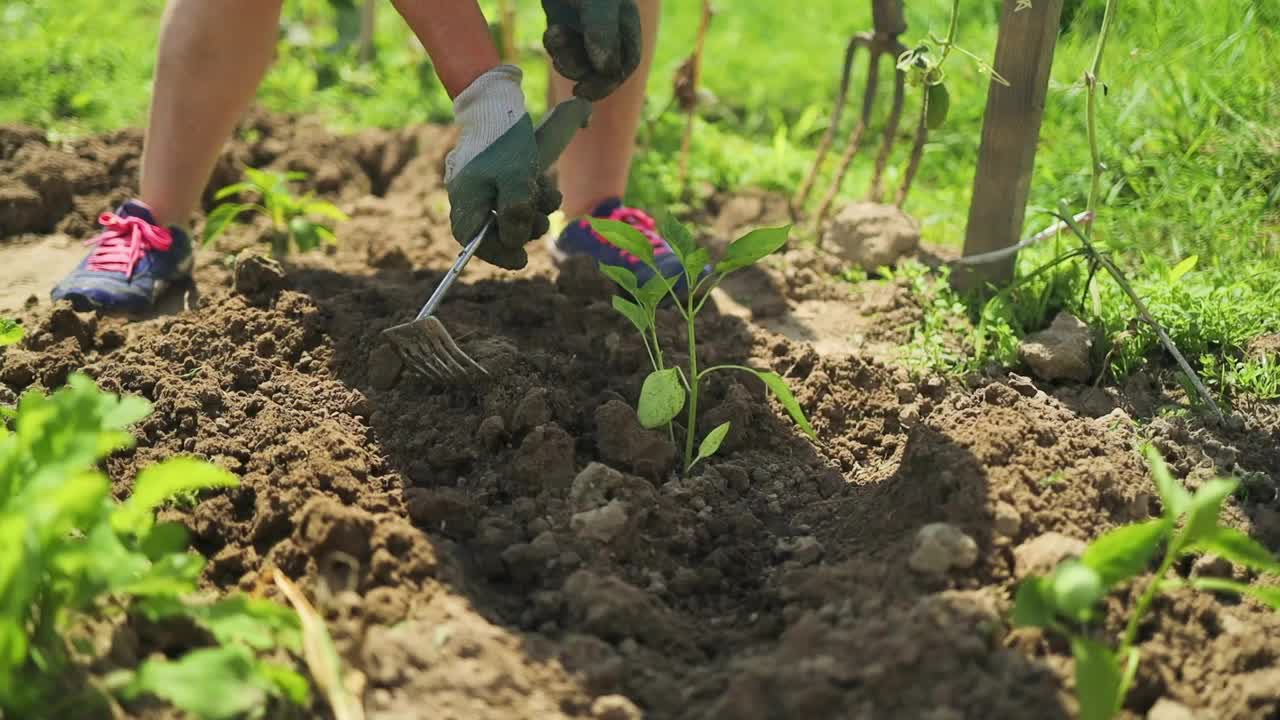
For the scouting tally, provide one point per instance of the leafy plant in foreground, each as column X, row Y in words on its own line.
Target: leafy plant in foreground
column 73, row 554
column 667, row 390
column 1066, row 602
column 291, row 216
column 10, row 332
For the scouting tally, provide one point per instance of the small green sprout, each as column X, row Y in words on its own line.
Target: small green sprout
column 10, row 332
column 291, row 217
column 1066, row 602
column 667, row 390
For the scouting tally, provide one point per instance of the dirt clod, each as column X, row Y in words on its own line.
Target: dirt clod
column 872, row 235
column 1061, row 352
column 940, row 547
column 621, row 439
column 1040, row 555
column 258, row 277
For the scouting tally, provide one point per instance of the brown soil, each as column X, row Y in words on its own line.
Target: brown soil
column 525, row 550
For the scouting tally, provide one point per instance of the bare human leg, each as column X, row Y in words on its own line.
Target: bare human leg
column 212, row 56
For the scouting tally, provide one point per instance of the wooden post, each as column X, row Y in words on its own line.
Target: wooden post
column 1010, row 131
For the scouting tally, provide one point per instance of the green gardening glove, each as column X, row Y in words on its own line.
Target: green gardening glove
column 595, row 42
column 494, row 169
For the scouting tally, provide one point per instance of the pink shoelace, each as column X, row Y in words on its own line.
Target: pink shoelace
column 641, row 221
column 123, row 242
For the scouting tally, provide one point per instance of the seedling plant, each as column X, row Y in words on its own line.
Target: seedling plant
column 292, row 218
column 668, row 390
column 75, row 558
column 1066, row 601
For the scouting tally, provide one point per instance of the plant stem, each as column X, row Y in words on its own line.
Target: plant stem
column 1148, row 596
column 1091, row 107
column 691, row 430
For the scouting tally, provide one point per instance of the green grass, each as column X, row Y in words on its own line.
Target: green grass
column 1188, row 130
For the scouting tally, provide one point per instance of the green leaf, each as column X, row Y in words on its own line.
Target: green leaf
column 632, row 312
column 220, row 218
column 753, row 246
column 159, row 482
column 653, row 290
column 260, row 624
column 677, row 236
column 213, row 683
column 10, row 332
column 694, row 262
column 1098, row 679
column 1206, row 505
column 128, row 410
column 1172, row 494
column 661, row 398
column 1126, row 551
column 622, row 276
column 1077, row 588
column 1239, row 548
column 289, row 684
column 304, row 234
column 1182, row 268
column 627, row 238
column 235, row 189
column 780, row 390
column 711, row 443
column 1268, row 594
column 164, row 539
column 326, row 235
column 1033, row 604
column 939, row 106
column 325, row 209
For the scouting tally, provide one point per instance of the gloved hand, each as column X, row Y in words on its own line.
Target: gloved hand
column 595, row 42
column 494, row 167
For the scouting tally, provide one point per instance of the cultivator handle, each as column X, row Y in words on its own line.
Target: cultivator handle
column 557, row 128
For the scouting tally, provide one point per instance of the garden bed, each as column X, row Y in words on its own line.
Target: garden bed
column 522, row 548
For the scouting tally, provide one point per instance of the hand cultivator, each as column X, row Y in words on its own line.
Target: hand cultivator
column 889, row 23
column 424, row 343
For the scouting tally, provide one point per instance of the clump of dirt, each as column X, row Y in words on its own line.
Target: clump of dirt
column 522, row 548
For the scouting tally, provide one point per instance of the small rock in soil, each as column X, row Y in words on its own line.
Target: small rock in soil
column 1040, row 555
column 940, row 547
column 1166, row 709
column 602, row 523
column 1008, row 521
column 531, row 411
column 1265, row 346
column 1061, row 352
column 614, row 707
column 621, row 439
column 872, row 235
column 1210, row 565
column 385, row 365
column 594, row 486
column 906, row 392
column 545, row 458
column 492, row 432
column 257, row 276
column 444, row 510
column 805, row 549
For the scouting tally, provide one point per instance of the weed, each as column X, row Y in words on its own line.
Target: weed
column 1066, row 602
column 291, row 216
column 73, row 554
column 10, row 332
column 666, row 390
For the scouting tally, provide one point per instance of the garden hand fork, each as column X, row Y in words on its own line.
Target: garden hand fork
column 424, row 343
column 889, row 23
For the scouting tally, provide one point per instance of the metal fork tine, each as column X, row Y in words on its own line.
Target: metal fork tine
column 454, row 351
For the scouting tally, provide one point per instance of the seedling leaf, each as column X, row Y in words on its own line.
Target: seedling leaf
column 220, row 217
column 1077, row 588
column 1125, row 552
column 622, row 276
column 1268, row 594
column 213, row 683
column 10, row 332
column 711, row 443
column 1033, row 604
column 632, row 312
column 1202, row 513
column 677, row 236
column 626, row 237
column 653, row 290
column 1238, row 548
column 1172, row 494
column 236, row 189
column 749, row 248
column 1098, row 679
column 157, row 483
column 661, row 398
column 780, row 390
column 325, row 209
column 293, row 686
column 694, row 262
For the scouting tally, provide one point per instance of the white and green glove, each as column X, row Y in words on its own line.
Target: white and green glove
column 495, row 168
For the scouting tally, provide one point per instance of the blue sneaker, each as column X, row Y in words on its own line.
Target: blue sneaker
column 133, row 262
column 580, row 239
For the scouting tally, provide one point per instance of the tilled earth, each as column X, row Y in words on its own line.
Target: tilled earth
column 523, row 549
